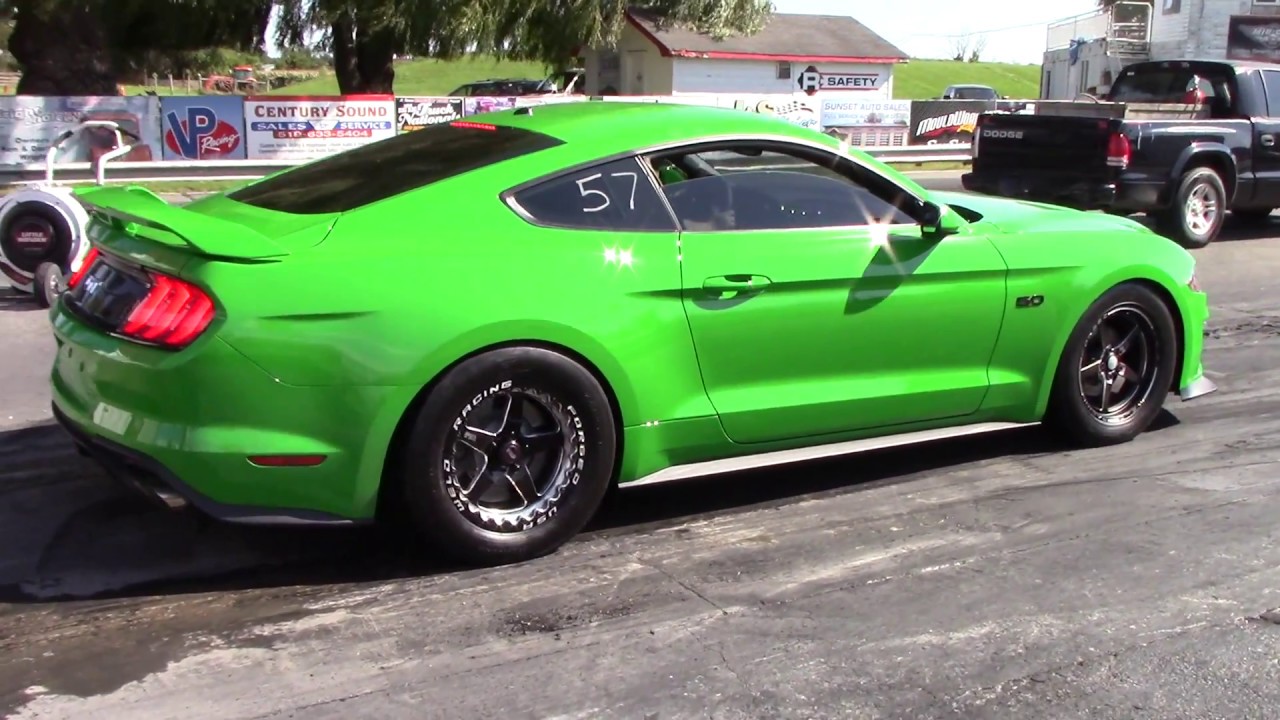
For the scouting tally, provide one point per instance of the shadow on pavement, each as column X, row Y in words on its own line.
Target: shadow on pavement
column 67, row 532
column 13, row 301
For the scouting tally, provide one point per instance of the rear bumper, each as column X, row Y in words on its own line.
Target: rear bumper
column 1068, row 191
column 149, row 477
column 182, row 428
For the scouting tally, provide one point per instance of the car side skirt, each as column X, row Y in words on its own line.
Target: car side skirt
column 816, row 452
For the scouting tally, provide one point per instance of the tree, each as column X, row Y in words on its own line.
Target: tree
column 364, row 36
column 82, row 47
column 960, row 48
column 975, row 53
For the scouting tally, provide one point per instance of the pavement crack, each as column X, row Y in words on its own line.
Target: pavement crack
column 687, row 587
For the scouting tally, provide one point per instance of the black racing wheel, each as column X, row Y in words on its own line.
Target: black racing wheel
column 1116, row 369
column 509, row 457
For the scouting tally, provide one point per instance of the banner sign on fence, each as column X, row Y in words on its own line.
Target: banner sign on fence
column 302, row 128
column 29, row 124
column 794, row 109
column 945, row 122
column 478, row 105
column 415, row 113
column 203, row 127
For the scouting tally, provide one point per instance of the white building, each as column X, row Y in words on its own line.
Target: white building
column 793, row 54
column 1085, row 52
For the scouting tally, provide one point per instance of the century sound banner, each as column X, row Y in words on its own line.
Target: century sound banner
column 945, row 122
column 301, row 128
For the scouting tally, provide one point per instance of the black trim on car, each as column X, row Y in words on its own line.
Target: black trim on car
column 146, row 475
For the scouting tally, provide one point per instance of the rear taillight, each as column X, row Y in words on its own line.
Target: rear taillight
column 1118, row 150
column 83, row 270
column 173, row 314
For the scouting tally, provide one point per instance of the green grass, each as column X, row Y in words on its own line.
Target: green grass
column 922, row 79
column 916, row 80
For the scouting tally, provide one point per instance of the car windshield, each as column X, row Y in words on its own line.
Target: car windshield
column 973, row 93
column 408, row 161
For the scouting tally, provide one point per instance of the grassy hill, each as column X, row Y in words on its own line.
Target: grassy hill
column 431, row 77
column 915, row 80
column 921, row 79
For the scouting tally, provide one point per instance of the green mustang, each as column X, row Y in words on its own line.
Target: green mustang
column 488, row 323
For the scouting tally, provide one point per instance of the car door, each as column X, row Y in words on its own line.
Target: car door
column 818, row 307
column 1266, row 145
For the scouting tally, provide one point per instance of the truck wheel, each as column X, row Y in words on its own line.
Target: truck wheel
column 1199, row 206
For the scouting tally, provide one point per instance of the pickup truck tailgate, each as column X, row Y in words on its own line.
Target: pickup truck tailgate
column 1043, row 143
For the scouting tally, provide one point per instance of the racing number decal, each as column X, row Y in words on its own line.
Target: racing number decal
column 605, row 200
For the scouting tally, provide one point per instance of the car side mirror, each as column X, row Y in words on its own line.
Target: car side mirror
column 937, row 221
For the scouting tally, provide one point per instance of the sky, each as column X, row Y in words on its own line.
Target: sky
column 1014, row 29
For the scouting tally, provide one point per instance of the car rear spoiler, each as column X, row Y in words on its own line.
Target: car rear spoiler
column 141, row 213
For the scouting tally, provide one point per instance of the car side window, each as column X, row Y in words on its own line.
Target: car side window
column 1271, row 83
column 617, row 195
column 747, row 187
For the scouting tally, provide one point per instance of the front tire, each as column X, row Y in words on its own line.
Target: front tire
column 1199, row 207
column 1116, row 369
column 509, row 457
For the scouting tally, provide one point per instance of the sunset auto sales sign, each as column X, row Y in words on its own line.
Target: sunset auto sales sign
column 305, row 128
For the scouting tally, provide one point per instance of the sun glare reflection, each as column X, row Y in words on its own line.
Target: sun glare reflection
column 621, row 257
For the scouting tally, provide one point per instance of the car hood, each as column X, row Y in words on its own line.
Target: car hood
column 1025, row 216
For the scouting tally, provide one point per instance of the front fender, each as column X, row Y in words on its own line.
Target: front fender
column 1172, row 288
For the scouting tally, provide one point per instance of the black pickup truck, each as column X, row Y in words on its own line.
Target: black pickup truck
column 1182, row 141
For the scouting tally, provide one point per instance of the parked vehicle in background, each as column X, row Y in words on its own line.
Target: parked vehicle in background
column 1180, row 140
column 970, row 92
column 498, row 88
column 565, row 82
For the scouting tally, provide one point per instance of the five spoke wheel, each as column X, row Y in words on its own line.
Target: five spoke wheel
column 509, row 455
column 1118, row 368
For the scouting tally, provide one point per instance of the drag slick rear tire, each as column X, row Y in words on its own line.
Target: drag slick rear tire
column 509, row 457
column 1116, row 369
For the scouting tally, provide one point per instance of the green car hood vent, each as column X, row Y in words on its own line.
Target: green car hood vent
column 141, row 213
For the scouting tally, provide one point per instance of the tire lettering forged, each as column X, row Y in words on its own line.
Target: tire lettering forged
column 573, row 459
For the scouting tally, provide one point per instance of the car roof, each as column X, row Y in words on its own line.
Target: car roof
column 599, row 128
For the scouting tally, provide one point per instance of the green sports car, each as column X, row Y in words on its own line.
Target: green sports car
column 484, row 325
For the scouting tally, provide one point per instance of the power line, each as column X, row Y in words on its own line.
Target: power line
column 1044, row 23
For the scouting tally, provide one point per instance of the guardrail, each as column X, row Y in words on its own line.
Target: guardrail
column 215, row 170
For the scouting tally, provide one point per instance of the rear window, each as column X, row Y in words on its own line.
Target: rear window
column 1170, row 85
column 389, row 167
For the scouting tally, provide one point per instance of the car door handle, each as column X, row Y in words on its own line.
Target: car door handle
column 736, row 283
column 1267, row 140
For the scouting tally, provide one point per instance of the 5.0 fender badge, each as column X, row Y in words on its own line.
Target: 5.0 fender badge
column 1030, row 301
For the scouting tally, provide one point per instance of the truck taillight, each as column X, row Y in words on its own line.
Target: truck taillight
column 173, row 313
column 1118, row 150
